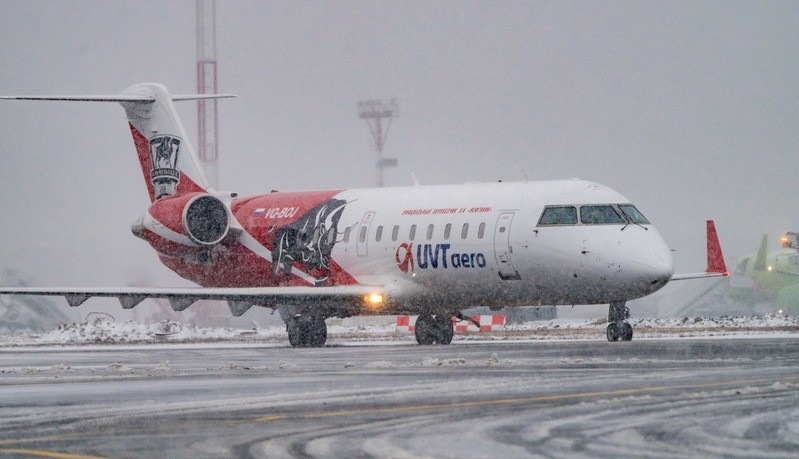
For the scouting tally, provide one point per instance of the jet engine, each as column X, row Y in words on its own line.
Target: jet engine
column 185, row 224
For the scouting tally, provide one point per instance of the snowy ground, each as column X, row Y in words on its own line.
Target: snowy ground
column 103, row 331
column 685, row 397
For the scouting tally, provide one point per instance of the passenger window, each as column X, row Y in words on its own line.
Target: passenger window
column 347, row 234
column 412, row 232
column 429, row 232
column 379, row 234
column 599, row 215
column 559, row 215
column 362, row 237
column 447, row 230
column 481, row 231
column 633, row 214
column 465, row 231
column 395, row 233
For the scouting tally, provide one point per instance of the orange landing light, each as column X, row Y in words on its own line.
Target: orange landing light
column 374, row 299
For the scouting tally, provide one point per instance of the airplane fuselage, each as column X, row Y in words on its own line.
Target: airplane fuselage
column 438, row 247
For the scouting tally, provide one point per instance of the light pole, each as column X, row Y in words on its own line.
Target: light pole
column 374, row 111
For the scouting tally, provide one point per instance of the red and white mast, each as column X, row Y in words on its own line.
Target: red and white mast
column 206, row 84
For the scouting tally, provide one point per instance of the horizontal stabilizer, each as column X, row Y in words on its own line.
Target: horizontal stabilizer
column 120, row 98
column 181, row 97
column 115, row 98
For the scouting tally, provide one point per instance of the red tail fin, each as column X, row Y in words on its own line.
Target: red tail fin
column 715, row 259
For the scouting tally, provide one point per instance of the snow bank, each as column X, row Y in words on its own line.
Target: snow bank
column 104, row 331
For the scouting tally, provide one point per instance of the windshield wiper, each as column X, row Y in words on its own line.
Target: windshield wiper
column 634, row 223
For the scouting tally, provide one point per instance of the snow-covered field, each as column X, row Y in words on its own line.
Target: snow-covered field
column 103, row 331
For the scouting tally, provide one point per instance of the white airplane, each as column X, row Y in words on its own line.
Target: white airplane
column 426, row 250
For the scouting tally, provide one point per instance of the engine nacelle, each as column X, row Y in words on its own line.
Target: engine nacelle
column 184, row 224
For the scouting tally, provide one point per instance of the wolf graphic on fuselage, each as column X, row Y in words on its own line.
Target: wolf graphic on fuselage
column 309, row 240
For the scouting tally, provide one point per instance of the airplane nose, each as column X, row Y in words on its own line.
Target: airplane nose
column 655, row 265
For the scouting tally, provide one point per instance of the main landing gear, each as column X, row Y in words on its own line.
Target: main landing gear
column 306, row 331
column 438, row 330
column 618, row 327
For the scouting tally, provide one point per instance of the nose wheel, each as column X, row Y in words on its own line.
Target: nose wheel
column 618, row 327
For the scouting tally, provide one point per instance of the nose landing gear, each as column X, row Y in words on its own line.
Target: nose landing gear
column 618, row 327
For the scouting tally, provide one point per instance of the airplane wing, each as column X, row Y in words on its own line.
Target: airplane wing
column 239, row 299
column 715, row 259
column 697, row 275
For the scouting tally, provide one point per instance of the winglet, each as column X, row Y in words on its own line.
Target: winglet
column 715, row 259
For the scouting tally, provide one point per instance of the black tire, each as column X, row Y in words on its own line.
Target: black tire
column 295, row 330
column 307, row 331
column 424, row 330
column 317, row 332
column 626, row 332
column 444, row 331
column 613, row 331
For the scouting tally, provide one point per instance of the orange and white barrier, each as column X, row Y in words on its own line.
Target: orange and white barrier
column 405, row 324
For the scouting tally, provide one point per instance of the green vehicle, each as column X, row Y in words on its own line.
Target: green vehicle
column 770, row 276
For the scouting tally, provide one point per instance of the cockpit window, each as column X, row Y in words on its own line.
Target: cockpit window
column 559, row 215
column 599, row 215
column 633, row 214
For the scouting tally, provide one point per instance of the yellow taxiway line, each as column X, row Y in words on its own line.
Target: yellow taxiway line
column 42, row 453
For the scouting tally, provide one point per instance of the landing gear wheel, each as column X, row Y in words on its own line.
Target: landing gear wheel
column 293, row 327
column 626, row 332
column 424, row 330
column 613, row 332
column 444, row 331
column 317, row 333
column 618, row 327
column 306, row 331
column 434, row 331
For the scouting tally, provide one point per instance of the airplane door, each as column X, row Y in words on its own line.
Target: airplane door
column 503, row 249
column 363, row 234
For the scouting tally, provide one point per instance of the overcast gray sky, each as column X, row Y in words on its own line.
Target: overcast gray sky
column 689, row 109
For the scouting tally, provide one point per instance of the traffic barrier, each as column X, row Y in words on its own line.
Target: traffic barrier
column 405, row 324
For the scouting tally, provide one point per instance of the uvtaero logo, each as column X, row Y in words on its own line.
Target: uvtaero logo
column 405, row 262
column 435, row 257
